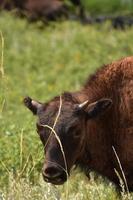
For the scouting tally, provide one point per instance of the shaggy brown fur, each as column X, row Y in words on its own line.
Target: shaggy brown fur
column 88, row 132
column 115, row 128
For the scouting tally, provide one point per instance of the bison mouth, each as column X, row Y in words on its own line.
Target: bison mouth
column 56, row 180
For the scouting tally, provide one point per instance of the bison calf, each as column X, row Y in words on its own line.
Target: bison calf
column 91, row 121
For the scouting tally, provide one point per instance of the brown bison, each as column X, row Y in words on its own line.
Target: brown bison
column 41, row 9
column 36, row 9
column 45, row 9
column 91, row 121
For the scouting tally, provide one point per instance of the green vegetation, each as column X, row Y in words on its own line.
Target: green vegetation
column 116, row 7
column 42, row 63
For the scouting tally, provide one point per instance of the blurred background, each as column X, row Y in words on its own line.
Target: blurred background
column 48, row 47
column 87, row 11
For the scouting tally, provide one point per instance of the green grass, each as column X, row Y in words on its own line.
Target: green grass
column 108, row 7
column 42, row 63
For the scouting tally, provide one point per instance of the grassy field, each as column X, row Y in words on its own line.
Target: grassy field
column 42, row 63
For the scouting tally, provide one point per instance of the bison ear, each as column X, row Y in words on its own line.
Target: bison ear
column 32, row 104
column 96, row 108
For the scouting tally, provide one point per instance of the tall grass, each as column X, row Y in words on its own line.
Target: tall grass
column 2, row 54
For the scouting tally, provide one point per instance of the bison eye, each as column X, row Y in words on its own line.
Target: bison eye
column 73, row 131
column 76, row 134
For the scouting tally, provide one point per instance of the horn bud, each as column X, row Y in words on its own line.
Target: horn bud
column 83, row 105
column 32, row 104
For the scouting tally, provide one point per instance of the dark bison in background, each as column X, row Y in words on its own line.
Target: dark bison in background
column 36, row 9
column 41, row 9
column 91, row 122
column 51, row 10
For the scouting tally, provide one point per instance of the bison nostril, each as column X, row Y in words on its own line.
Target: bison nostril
column 54, row 174
column 51, row 172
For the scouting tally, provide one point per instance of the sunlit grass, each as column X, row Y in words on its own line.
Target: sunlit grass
column 77, row 190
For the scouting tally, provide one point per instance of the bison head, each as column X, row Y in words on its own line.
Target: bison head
column 61, row 126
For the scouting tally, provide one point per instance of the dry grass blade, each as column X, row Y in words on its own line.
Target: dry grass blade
column 122, row 185
column 58, row 139
column 24, row 167
column 58, row 114
column 34, row 165
column 2, row 55
column 21, row 149
column 123, row 178
column 4, row 166
column 56, row 119
column 2, row 107
column 53, row 131
column 2, row 196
